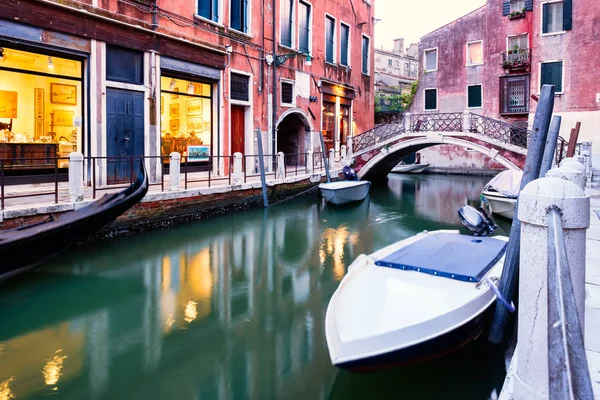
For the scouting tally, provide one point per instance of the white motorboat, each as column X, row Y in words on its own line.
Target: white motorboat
column 343, row 192
column 417, row 299
column 502, row 191
column 409, row 168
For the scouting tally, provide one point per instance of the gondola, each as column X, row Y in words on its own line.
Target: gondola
column 28, row 246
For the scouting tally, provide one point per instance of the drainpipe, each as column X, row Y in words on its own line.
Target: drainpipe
column 274, row 128
column 154, row 15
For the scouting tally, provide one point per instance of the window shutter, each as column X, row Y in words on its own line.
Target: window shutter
column 506, row 7
column 528, row 5
column 568, row 15
column 545, row 17
column 557, row 76
column 245, row 15
column 215, row 10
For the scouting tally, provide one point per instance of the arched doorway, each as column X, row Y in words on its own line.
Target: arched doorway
column 293, row 138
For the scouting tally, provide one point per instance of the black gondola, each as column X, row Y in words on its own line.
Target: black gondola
column 28, row 246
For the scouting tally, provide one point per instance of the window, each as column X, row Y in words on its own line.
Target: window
column 475, row 53
column 124, row 65
column 430, row 99
column 430, row 62
column 365, row 55
column 239, row 15
column 551, row 74
column 474, row 96
column 517, row 5
column 209, row 9
column 240, row 87
column 396, row 63
column 552, row 17
column 329, row 38
column 286, row 22
column 344, row 44
column 518, row 42
column 304, row 27
column 514, row 94
column 389, row 62
column 287, row 93
column 328, row 124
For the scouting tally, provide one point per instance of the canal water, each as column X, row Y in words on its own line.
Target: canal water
column 227, row 308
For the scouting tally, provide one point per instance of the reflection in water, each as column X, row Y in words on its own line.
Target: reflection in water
column 231, row 308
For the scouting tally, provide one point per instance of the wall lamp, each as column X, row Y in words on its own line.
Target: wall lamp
column 282, row 58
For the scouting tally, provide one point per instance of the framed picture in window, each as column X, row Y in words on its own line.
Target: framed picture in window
column 193, row 107
column 194, row 124
column 174, row 125
column 174, row 110
column 173, row 95
column 198, row 153
column 39, row 103
column 63, row 118
column 63, row 94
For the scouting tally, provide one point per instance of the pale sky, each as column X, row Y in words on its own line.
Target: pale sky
column 412, row 19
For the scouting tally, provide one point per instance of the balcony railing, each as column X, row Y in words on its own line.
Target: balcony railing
column 517, row 60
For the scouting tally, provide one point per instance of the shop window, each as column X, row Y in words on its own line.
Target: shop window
column 287, row 93
column 328, row 124
column 474, row 96
column 430, row 61
column 186, row 118
column 344, row 123
column 240, row 87
column 41, row 105
column 124, row 65
column 430, row 99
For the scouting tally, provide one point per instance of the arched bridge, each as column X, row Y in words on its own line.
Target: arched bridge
column 378, row 150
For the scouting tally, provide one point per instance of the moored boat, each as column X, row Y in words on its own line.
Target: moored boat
column 344, row 192
column 417, row 299
column 409, row 168
column 502, row 191
column 28, row 246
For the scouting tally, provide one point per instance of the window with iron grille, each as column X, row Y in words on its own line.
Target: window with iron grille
column 514, row 94
column 287, row 93
column 240, row 87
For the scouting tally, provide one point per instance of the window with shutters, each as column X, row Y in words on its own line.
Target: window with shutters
column 430, row 60
column 209, row 9
column 553, row 17
column 474, row 96
column 286, row 23
column 344, row 44
column 304, row 24
column 287, row 93
column 551, row 73
column 517, row 5
column 239, row 18
column 475, row 53
column 514, row 94
column 518, row 42
column 430, row 99
column 329, row 39
column 365, row 54
column 240, row 87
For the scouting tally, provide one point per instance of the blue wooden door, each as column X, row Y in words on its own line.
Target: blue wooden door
column 125, row 134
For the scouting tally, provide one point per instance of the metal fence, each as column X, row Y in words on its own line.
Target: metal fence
column 498, row 130
column 438, row 122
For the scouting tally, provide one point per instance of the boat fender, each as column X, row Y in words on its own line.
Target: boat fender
column 509, row 307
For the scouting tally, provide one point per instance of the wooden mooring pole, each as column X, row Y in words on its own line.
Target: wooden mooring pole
column 531, row 171
column 550, row 149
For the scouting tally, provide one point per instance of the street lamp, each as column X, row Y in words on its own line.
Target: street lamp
column 282, row 58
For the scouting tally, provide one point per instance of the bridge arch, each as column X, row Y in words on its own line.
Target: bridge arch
column 382, row 163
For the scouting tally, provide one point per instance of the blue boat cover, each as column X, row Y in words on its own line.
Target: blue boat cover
column 460, row 257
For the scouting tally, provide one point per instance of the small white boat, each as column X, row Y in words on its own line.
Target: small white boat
column 502, row 191
column 417, row 299
column 409, row 168
column 343, row 192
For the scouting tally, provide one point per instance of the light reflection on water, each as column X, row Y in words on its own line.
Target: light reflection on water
column 227, row 308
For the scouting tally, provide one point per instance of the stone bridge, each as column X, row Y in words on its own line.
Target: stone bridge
column 378, row 150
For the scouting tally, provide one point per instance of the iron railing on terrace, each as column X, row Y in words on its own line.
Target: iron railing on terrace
column 515, row 60
column 500, row 131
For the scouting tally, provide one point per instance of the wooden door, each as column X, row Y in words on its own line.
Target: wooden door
column 124, row 134
column 238, row 124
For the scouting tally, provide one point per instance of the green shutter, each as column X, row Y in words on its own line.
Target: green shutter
column 528, row 5
column 552, row 75
column 568, row 15
column 545, row 17
column 430, row 99
column 474, row 96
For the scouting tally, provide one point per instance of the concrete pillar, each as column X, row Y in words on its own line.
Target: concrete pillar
column 407, row 122
column 586, row 151
column 280, row 173
column 331, row 159
column 174, row 171
column 75, row 177
column 310, row 161
column 343, row 154
column 237, row 168
column 570, row 169
column 531, row 381
column 466, row 121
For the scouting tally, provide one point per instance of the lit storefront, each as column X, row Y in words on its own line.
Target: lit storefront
column 186, row 119
column 41, row 107
column 337, row 104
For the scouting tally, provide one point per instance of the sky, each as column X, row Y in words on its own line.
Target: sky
column 412, row 19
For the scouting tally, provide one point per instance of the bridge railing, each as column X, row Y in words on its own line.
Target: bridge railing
column 440, row 122
column 499, row 130
column 378, row 134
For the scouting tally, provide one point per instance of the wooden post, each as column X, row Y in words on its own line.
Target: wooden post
column 261, row 161
column 531, row 171
column 573, row 140
column 550, row 145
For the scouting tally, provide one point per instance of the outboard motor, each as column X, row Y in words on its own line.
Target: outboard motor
column 349, row 173
column 477, row 221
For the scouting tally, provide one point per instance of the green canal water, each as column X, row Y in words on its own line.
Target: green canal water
column 227, row 308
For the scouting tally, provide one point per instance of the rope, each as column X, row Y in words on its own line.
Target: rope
column 296, row 195
column 509, row 307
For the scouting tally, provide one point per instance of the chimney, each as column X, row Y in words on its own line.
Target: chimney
column 399, row 46
column 413, row 50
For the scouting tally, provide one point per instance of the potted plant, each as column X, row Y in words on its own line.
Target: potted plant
column 517, row 14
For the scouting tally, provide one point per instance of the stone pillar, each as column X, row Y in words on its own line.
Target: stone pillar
column 75, row 177
column 531, row 380
column 237, row 168
column 466, row 121
column 174, row 171
column 310, row 161
column 407, row 122
column 331, row 159
column 570, row 169
column 343, row 154
column 280, row 173
column 586, row 151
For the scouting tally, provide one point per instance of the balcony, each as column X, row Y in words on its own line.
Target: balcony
column 516, row 59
